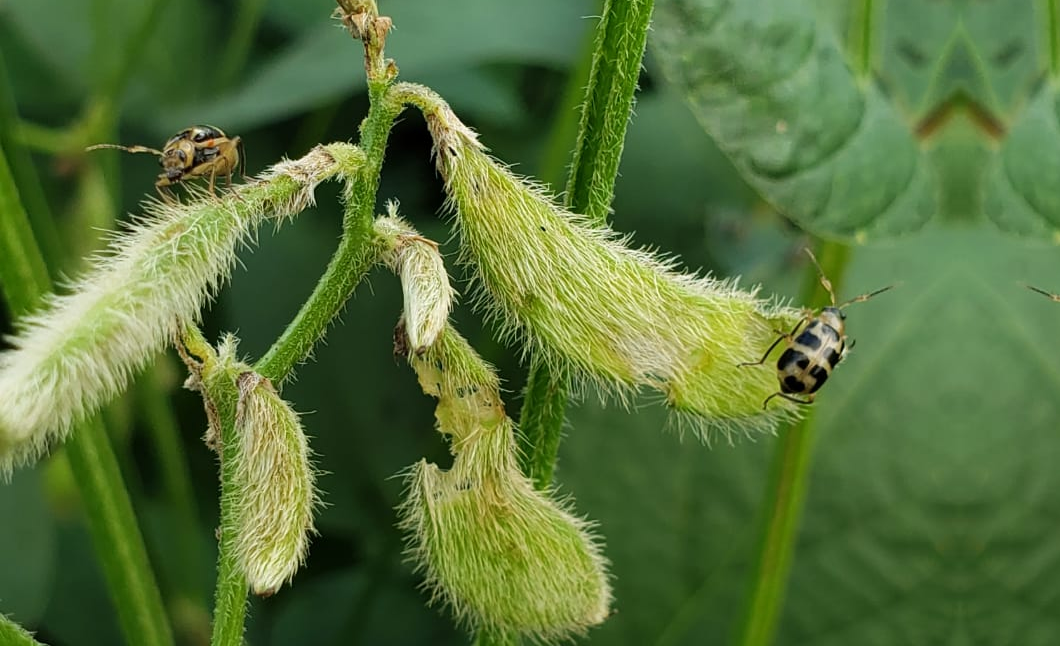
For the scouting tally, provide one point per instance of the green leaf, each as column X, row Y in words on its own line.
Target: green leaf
column 910, row 111
column 927, row 517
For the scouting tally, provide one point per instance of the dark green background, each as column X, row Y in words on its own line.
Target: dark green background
column 935, row 498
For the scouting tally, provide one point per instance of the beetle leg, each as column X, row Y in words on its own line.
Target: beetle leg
column 238, row 141
column 232, row 190
column 162, row 186
column 781, row 336
column 805, row 402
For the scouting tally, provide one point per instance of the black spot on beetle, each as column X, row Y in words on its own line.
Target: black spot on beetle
column 803, row 363
column 789, row 358
column 820, row 375
column 834, row 357
column 809, row 338
column 791, row 384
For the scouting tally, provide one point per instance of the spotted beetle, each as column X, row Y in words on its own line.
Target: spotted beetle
column 198, row 151
column 815, row 350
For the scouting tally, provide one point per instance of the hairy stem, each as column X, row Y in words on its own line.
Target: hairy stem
column 222, row 395
column 162, row 427
column 785, row 496
column 608, row 103
column 358, row 250
column 108, row 509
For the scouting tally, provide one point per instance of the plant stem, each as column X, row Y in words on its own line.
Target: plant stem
column 108, row 509
column 609, row 94
column 360, row 247
column 609, row 97
column 22, row 270
column 118, row 541
column 248, row 15
column 162, row 426
column 785, row 496
column 25, row 173
column 221, row 393
column 358, row 250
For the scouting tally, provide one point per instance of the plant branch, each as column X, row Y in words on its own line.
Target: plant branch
column 358, row 250
column 360, row 247
column 248, row 16
column 221, row 395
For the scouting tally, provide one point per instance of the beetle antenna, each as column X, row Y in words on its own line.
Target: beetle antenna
column 827, row 284
column 865, row 297
column 128, row 149
column 1051, row 296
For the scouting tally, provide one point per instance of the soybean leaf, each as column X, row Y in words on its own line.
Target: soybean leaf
column 870, row 119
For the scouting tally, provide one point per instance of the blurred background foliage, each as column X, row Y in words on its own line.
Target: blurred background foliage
column 931, row 515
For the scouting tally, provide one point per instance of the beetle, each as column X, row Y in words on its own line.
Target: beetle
column 198, row 151
column 815, row 347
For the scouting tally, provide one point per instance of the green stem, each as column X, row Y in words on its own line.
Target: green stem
column 222, row 395
column 617, row 59
column 1053, row 25
column 117, row 539
column 358, row 250
column 164, row 430
column 785, row 496
column 132, row 54
column 248, row 15
column 25, row 173
column 861, row 31
column 606, row 109
column 11, row 634
column 23, row 273
column 108, row 509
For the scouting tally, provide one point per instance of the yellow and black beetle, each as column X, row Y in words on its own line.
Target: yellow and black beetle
column 198, row 151
column 816, row 350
